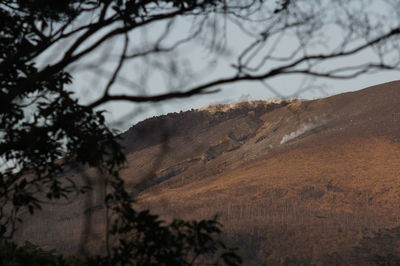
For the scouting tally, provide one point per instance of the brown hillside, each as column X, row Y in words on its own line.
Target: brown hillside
column 292, row 182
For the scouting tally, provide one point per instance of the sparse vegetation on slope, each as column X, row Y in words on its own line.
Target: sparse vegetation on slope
column 308, row 200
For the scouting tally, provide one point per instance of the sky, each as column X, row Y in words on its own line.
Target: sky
column 195, row 64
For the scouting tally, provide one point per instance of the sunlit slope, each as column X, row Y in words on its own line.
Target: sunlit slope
column 309, row 180
column 297, row 181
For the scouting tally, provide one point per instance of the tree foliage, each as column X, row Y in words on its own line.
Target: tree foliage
column 44, row 129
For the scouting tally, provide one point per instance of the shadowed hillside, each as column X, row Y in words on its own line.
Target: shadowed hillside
column 294, row 183
column 155, row 130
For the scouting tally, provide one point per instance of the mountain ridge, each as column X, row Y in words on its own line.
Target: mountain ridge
column 299, row 182
column 144, row 130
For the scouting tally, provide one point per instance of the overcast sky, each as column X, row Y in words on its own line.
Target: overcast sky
column 207, row 66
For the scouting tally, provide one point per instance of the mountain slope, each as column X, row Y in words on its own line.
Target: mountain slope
column 292, row 182
column 316, row 173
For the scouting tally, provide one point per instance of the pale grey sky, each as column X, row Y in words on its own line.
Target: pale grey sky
column 206, row 65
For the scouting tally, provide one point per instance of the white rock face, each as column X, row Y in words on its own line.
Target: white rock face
column 301, row 130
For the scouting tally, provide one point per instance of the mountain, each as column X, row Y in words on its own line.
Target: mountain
column 294, row 183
